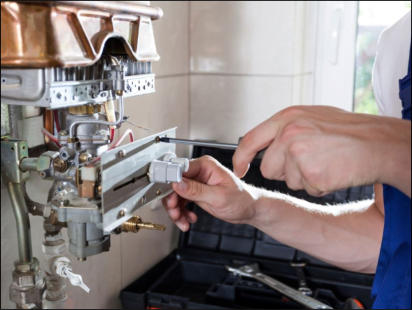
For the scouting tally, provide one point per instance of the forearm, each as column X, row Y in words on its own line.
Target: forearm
column 349, row 239
column 393, row 147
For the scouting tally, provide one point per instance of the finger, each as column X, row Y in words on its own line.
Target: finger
column 293, row 177
column 311, row 190
column 190, row 216
column 273, row 163
column 202, row 169
column 182, row 224
column 195, row 191
column 254, row 141
column 174, row 214
column 171, row 201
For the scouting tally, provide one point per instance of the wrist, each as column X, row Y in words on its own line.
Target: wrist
column 394, row 153
column 263, row 208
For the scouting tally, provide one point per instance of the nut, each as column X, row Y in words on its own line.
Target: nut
column 83, row 157
column 59, row 164
column 43, row 162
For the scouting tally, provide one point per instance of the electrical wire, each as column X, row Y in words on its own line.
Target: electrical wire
column 127, row 132
column 50, row 136
column 116, row 144
column 111, row 135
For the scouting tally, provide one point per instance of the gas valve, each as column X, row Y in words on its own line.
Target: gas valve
column 169, row 169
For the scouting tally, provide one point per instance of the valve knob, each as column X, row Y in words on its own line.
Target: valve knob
column 169, row 169
column 63, row 268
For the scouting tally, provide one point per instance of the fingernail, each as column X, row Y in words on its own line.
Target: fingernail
column 182, row 185
column 182, row 226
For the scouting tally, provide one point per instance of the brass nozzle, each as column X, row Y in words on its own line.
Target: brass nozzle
column 135, row 223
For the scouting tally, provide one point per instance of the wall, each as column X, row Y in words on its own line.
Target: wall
column 130, row 255
column 248, row 60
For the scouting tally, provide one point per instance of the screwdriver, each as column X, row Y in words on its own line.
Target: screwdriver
column 229, row 146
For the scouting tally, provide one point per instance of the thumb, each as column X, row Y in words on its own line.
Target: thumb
column 193, row 190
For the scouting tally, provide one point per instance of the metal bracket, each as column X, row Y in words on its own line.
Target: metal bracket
column 12, row 152
column 125, row 184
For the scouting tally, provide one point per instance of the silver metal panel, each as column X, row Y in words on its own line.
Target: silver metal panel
column 36, row 87
column 125, row 185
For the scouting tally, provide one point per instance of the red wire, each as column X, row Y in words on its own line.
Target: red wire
column 50, row 136
column 111, row 134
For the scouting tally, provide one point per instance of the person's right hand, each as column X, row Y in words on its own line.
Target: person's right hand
column 215, row 189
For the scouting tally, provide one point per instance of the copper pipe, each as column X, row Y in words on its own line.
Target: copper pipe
column 48, row 123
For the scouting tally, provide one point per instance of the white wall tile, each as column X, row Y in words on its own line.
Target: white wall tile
column 172, row 38
column 146, row 248
column 247, row 37
column 167, row 108
column 226, row 107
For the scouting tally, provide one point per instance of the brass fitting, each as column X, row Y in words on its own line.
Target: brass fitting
column 85, row 109
column 135, row 223
column 59, row 164
column 83, row 157
column 109, row 109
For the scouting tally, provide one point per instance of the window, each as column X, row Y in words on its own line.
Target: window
column 373, row 17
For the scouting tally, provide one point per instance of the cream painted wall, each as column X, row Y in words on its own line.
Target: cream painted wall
column 225, row 67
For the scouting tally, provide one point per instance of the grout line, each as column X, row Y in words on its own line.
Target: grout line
column 251, row 75
column 164, row 76
column 189, row 83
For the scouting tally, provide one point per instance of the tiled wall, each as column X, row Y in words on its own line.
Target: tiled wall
column 248, row 60
column 225, row 67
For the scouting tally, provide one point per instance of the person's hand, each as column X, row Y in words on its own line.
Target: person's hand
column 215, row 189
column 322, row 149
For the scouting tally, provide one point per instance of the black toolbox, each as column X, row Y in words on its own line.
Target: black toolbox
column 194, row 276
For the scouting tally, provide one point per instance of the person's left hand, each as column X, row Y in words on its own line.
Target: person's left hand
column 322, row 149
column 215, row 189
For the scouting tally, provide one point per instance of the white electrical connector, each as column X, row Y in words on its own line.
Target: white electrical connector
column 63, row 268
column 169, row 169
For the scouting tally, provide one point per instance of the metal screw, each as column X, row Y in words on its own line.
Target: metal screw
column 144, row 199
column 120, row 154
column 158, row 192
column 99, row 189
column 121, row 213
